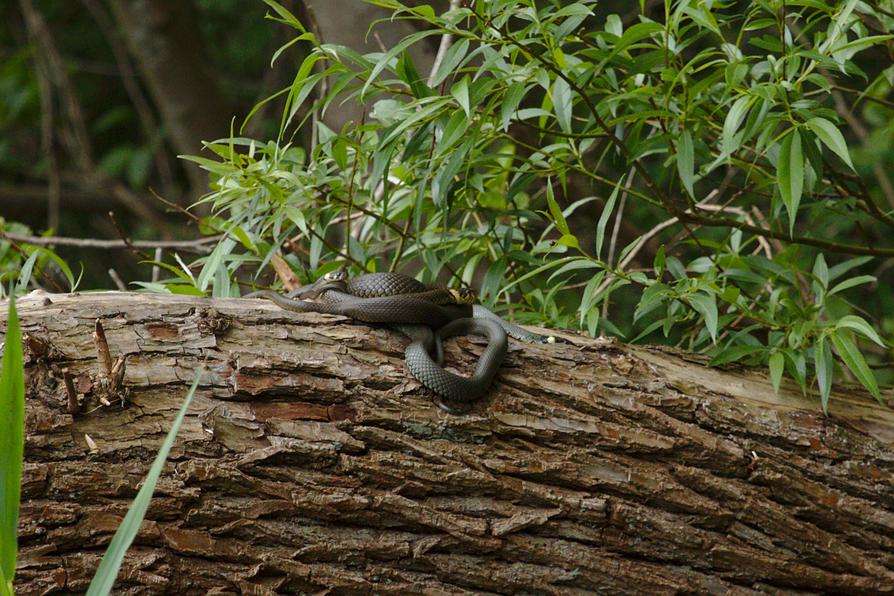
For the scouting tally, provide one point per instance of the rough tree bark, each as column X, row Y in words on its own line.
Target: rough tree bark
column 311, row 462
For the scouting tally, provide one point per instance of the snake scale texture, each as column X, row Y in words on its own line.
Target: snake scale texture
column 428, row 315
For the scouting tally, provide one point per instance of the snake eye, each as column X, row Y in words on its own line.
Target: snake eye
column 334, row 275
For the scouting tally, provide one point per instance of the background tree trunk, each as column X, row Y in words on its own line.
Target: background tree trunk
column 350, row 23
column 311, row 461
column 165, row 38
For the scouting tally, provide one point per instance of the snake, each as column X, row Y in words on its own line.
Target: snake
column 426, row 314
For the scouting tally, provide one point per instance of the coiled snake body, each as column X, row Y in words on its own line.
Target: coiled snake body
column 415, row 309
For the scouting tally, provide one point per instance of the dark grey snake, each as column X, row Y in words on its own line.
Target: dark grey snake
column 415, row 310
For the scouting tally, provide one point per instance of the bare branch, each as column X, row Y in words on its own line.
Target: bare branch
column 446, row 40
column 199, row 245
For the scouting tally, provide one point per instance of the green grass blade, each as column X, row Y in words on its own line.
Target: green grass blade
column 5, row 586
column 12, row 444
column 111, row 563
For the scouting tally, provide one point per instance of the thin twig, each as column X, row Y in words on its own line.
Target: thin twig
column 616, row 228
column 119, row 283
column 350, row 205
column 175, row 206
column 156, row 270
column 125, row 239
column 198, row 245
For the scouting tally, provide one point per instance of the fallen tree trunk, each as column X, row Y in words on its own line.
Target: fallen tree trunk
column 310, row 460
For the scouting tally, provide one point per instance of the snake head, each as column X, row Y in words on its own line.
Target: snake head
column 334, row 280
column 337, row 275
column 464, row 296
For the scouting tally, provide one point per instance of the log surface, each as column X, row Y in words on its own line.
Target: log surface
column 311, row 461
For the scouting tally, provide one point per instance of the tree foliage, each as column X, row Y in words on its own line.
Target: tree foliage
column 713, row 123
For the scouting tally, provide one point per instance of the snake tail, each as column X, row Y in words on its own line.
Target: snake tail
column 514, row 331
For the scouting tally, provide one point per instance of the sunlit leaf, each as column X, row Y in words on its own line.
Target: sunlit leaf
column 859, row 325
column 831, row 137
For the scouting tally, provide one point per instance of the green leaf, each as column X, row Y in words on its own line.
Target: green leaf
column 556, row 213
column 614, row 25
column 569, row 240
column 706, row 305
column 388, row 56
column 729, row 140
column 659, row 261
column 12, row 441
column 284, row 15
column 854, row 360
column 589, row 297
column 407, row 72
column 822, row 359
column 452, row 58
column 296, row 216
column 651, row 298
column 460, row 92
column 831, row 137
column 308, row 36
column 851, row 282
column 686, row 161
column 545, row 267
column 562, row 103
column 821, row 270
column 454, row 130
column 634, row 34
column 340, row 153
column 790, row 170
column 575, row 265
column 837, row 27
column 859, row 325
column 25, row 271
column 107, row 572
column 511, row 100
column 223, row 248
column 841, row 268
column 777, row 365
